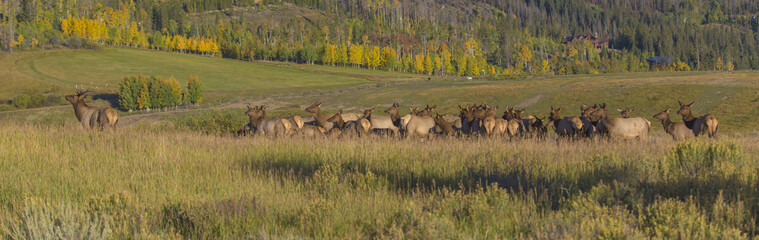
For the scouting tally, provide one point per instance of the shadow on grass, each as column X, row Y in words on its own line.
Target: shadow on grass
column 111, row 98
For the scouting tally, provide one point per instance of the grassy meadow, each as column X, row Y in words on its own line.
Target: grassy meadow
column 181, row 174
column 160, row 182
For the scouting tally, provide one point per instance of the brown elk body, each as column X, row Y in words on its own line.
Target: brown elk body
column 622, row 128
column 446, row 127
column 359, row 127
column 320, row 119
column 706, row 124
column 677, row 130
column 415, row 125
column 565, row 127
column 92, row 117
column 383, row 122
column 262, row 125
column 469, row 122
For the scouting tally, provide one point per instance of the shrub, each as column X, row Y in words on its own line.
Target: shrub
column 40, row 220
column 194, row 93
column 700, row 159
column 141, row 92
column 22, row 101
column 35, row 100
column 212, row 122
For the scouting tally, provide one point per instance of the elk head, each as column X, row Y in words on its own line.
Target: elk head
column 393, row 110
column 684, row 108
column 337, row 117
column 555, row 114
column 367, row 112
column 663, row 115
column 518, row 113
column 414, row 111
column 256, row 112
column 466, row 113
column 599, row 113
column 79, row 95
column 626, row 112
column 585, row 110
column 314, row 108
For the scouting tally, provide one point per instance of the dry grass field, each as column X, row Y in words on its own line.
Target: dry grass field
column 160, row 182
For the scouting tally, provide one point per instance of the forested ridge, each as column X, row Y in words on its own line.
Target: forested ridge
column 448, row 37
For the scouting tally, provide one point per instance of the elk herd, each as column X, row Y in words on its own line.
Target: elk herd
column 478, row 120
column 472, row 120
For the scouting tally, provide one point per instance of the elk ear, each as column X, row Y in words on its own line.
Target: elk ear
column 631, row 109
column 668, row 109
column 603, row 105
column 434, row 106
column 372, row 109
column 681, row 103
column 691, row 103
column 583, row 107
column 249, row 108
column 558, row 109
column 263, row 107
column 340, row 111
column 410, row 108
column 620, row 110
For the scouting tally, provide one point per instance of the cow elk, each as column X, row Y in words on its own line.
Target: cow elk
column 92, row 117
column 706, row 124
column 621, row 128
column 567, row 126
column 677, row 130
column 625, row 112
column 262, row 125
column 382, row 122
column 415, row 125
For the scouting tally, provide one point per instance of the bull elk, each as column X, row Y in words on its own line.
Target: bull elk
column 92, row 117
column 677, row 130
column 706, row 124
column 624, row 128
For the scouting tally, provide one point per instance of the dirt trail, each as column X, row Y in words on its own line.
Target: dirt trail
column 529, row 102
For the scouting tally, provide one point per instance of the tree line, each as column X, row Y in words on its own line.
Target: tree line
column 482, row 37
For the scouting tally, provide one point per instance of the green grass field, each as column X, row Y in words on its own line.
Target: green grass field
column 109, row 65
column 161, row 175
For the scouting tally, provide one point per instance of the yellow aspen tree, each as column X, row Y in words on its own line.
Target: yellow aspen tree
column 428, row 65
column 330, row 54
column 375, row 58
column 66, row 26
column 419, row 63
column 356, row 55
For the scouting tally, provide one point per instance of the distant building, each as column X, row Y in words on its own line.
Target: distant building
column 593, row 39
column 658, row 61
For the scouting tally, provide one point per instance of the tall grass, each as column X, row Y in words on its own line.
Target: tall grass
column 159, row 182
